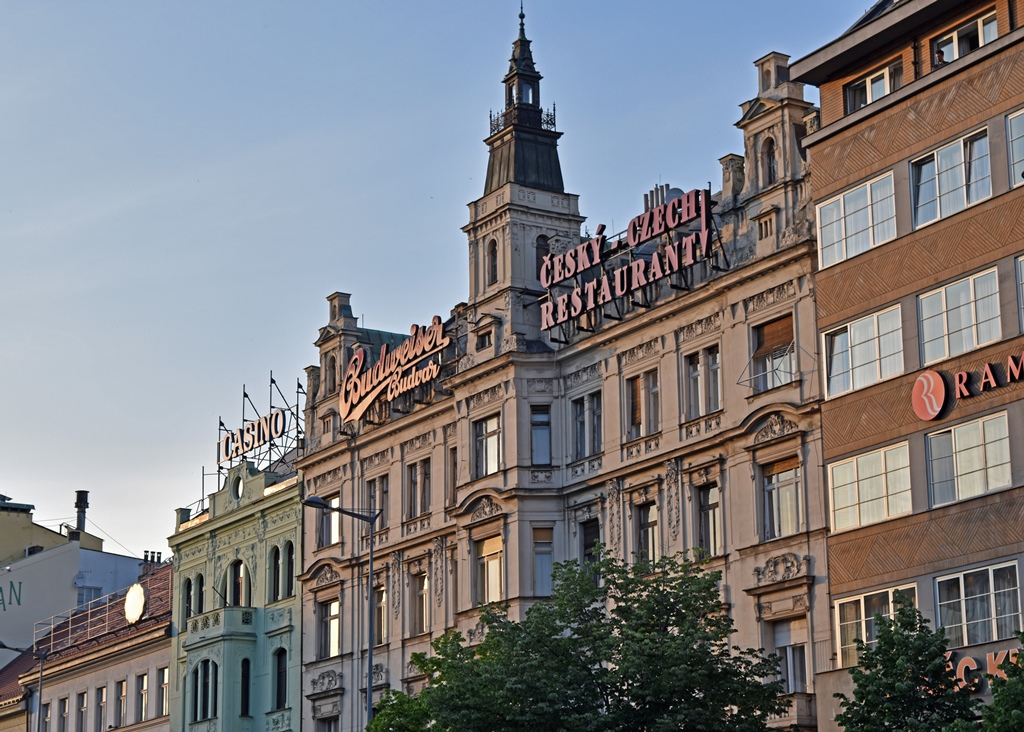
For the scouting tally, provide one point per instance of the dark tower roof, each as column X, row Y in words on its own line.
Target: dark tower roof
column 523, row 142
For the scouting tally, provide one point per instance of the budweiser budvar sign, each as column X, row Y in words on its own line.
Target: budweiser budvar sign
column 628, row 278
column 394, row 372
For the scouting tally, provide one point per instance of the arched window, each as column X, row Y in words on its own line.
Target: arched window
column 289, row 569
column 543, row 250
column 332, row 374
column 771, row 171
column 492, row 262
column 237, row 585
column 204, row 690
column 275, row 574
column 200, row 593
column 243, row 705
column 188, row 599
column 280, row 678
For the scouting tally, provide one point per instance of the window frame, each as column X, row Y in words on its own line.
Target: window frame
column 487, row 440
column 419, row 620
column 840, row 198
column 540, row 435
column 767, row 366
column 829, row 338
column 708, row 536
column 1016, row 164
column 648, row 540
column 770, row 492
column 163, row 699
column 886, row 497
column 328, row 532
column 862, row 620
column 702, row 382
column 417, row 489
column 953, row 36
column 142, row 697
column 205, row 688
column 489, row 558
column 888, row 76
column 380, row 615
column 543, row 544
column 280, row 679
column 965, row 612
column 642, row 403
column 945, row 313
column 956, row 472
column 587, row 419
column 328, row 628
column 963, row 166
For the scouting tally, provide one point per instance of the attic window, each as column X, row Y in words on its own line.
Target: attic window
column 484, row 340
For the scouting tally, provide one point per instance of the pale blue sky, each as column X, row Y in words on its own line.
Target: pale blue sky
column 183, row 183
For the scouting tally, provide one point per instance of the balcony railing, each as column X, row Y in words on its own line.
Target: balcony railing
column 522, row 115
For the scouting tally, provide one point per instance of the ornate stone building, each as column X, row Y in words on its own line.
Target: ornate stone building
column 655, row 390
column 236, row 634
column 918, row 192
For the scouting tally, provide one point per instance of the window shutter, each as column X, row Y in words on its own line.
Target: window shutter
column 774, row 336
column 780, row 466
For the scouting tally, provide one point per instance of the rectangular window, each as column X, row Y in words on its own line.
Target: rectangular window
column 1015, row 143
column 82, row 712
column 452, row 478
column 62, row 715
column 46, row 717
column 870, row 488
column 417, row 489
column 380, row 616
column 121, row 704
column 540, row 435
column 327, row 725
column 142, row 697
column 791, row 647
column 703, row 389
column 376, row 492
column 855, row 221
column 950, row 179
column 420, row 604
column 864, row 352
column 489, row 570
column 487, row 441
column 328, row 615
column 980, row 606
column 329, row 525
column 101, row 709
column 590, row 537
column 163, row 698
column 709, row 520
column 587, row 428
column 772, row 362
column 856, row 618
column 874, row 86
column 643, row 405
column 781, row 483
column 959, row 317
column 647, row 533
column 543, row 560
column 970, row 36
column 969, row 459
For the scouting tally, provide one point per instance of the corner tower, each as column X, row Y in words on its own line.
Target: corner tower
column 524, row 214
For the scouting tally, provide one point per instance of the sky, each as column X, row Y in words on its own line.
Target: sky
column 184, row 182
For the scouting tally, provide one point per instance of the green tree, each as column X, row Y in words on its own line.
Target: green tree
column 1006, row 712
column 644, row 650
column 903, row 684
column 399, row 712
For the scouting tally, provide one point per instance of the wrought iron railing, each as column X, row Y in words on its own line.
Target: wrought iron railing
column 525, row 116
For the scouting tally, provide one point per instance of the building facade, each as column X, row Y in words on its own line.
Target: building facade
column 654, row 390
column 236, row 639
column 918, row 192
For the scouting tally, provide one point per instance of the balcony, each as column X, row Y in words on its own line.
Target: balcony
column 801, row 713
column 219, row 624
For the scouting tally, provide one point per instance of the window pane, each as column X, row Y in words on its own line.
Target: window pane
column 925, row 193
column 978, row 169
column 950, row 611
column 970, row 460
column 838, row 345
column 1016, row 149
column 857, row 221
column 977, row 607
column 950, row 173
column 1007, row 601
column 831, row 224
column 989, row 29
column 883, row 210
column 986, row 296
column 890, row 344
column 863, row 353
column 997, row 452
column 959, row 317
column 940, row 450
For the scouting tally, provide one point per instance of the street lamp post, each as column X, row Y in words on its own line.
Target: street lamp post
column 370, row 519
column 41, row 657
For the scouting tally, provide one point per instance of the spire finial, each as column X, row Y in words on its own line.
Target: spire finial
column 522, row 24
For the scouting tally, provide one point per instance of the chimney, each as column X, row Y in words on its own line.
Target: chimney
column 81, row 503
column 158, row 555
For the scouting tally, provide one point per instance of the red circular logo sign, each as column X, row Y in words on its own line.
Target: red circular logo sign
column 929, row 395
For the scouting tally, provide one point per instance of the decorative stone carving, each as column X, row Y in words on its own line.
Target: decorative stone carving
column 417, row 442
column 485, row 508
column 377, row 459
column 247, row 617
column 672, row 492
column 396, row 583
column 279, row 720
column 783, row 567
column 486, row 396
column 438, row 567
column 476, row 633
column 769, row 297
column 614, row 524
column 325, row 681
column 582, row 376
column 540, row 476
column 651, row 444
column 578, row 470
column 466, row 362
column 775, row 426
column 540, row 386
column 700, row 327
column 380, row 675
column 329, row 476
column 638, row 353
column 800, row 231
column 326, row 576
column 513, row 342
column 449, row 431
column 594, row 464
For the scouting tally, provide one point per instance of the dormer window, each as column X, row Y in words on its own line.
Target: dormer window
column 874, row 86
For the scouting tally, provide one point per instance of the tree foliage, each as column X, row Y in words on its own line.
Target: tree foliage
column 904, row 683
column 646, row 649
column 1006, row 712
